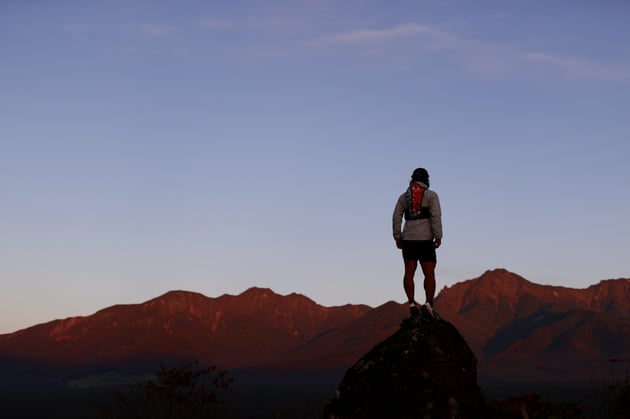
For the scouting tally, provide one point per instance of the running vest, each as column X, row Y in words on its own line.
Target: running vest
column 415, row 210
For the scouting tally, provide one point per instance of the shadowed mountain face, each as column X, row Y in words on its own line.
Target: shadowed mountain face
column 512, row 325
column 522, row 329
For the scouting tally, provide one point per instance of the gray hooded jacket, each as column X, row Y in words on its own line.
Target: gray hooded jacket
column 418, row 229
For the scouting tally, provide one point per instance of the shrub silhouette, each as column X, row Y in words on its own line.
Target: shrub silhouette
column 614, row 393
column 185, row 391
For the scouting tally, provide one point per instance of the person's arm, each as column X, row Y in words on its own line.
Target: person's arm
column 397, row 218
column 436, row 221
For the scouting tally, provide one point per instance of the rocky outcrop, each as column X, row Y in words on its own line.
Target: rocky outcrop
column 424, row 370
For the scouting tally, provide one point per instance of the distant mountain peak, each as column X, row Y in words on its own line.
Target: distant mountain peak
column 501, row 274
column 499, row 284
column 258, row 292
column 180, row 294
column 176, row 299
column 261, row 296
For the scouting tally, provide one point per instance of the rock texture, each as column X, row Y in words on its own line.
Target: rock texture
column 424, row 370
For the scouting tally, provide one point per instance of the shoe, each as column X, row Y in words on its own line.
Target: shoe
column 428, row 310
column 413, row 308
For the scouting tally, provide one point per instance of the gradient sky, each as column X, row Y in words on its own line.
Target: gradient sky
column 212, row 146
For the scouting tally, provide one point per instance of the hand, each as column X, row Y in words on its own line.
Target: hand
column 399, row 244
column 437, row 243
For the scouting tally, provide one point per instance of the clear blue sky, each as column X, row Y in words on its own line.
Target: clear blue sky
column 213, row 146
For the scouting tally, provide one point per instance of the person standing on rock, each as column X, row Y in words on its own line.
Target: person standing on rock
column 419, row 237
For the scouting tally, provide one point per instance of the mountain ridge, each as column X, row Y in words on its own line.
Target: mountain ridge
column 510, row 321
column 513, row 326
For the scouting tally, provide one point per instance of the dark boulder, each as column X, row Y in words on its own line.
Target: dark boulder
column 424, row 370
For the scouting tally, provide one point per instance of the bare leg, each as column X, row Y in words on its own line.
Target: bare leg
column 428, row 269
column 410, row 270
